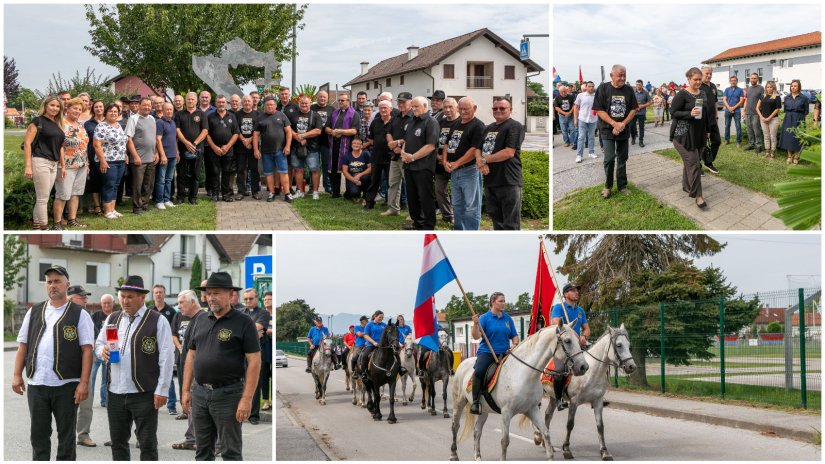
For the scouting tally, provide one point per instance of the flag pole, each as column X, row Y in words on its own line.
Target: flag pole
column 552, row 271
column 467, row 301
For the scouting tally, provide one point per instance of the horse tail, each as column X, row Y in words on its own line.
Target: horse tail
column 469, row 423
column 523, row 421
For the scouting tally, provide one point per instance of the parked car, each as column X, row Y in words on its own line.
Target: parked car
column 811, row 94
column 281, row 359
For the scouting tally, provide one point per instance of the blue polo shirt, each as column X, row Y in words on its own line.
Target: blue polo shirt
column 374, row 330
column 359, row 336
column 576, row 314
column 166, row 130
column 403, row 331
column 500, row 330
column 732, row 96
column 315, row 334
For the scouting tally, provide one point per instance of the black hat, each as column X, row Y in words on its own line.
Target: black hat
column 124, row 99
column 134, row 284
column 404, row 96
column 439, row 94
column 220, row 280
column 134, row 99
column 59, row 269
column 363, row 318
column 318, row 319
column 570, row 286
column 78, row 290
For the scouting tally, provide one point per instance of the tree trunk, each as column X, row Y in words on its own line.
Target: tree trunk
column 639, row 376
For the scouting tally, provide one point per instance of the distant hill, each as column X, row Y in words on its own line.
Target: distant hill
column 339, row 324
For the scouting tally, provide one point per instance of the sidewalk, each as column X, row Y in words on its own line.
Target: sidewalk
column 293, row 442
column 251, row 214
column 765, row 421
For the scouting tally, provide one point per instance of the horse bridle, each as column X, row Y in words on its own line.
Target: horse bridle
column 395, row 350
column 567, row 361
column 613, row 336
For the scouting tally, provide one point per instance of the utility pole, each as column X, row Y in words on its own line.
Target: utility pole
column 294, row 49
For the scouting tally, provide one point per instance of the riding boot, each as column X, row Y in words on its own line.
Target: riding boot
column 309, row 361
column 475, row 408
column 558, row 389
column 421, row 364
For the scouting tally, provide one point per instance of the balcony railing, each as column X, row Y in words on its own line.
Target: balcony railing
column 479, row 82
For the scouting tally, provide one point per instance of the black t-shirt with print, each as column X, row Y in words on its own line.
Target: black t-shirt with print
column 617, row 103
column 564, row 103
column 324, row 112
column 246, row 124
column 421, row 131
column 496, row 137
column 462, row 137
column 190, row 125
column 305, row 122
column 221, row 129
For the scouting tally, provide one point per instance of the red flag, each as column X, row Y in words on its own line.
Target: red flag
column 581, row 79
column 543, row 294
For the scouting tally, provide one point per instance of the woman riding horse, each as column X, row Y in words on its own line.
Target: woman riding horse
column 314, row 337
column 500, row 330
column 372, row 335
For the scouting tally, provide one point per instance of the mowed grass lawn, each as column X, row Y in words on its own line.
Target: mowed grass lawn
column 202, row 216
column 585, row 209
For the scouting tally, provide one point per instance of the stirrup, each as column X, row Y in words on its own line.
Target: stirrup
column 475, row 408
column 562, row 405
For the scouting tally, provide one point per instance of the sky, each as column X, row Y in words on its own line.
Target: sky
column 660, row 44
column 335, row 39
column 359, row 273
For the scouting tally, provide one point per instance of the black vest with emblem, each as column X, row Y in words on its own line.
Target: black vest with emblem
column 68, row 357
column 143, row 349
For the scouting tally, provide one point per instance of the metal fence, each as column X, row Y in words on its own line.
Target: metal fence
column 298, row 348
column 723, row 348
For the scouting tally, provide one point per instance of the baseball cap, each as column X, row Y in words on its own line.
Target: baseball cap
column 59, row 269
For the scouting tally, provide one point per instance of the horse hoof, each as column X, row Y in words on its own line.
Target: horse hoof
column 453, row 458
column 537, row 439
column 446, row 415
column 432, row 412
column 403, row 403
column 423, row 407
column 392, row 420
column 347, row 388
column 568, row 455
column 606, row 457
column 323, row 402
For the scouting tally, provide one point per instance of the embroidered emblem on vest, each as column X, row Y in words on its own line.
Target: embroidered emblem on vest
column 149, row 345
column 224, row 335
column 70, row 333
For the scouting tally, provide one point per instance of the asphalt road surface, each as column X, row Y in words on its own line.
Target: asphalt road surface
column 257, row 439
column 348, row 432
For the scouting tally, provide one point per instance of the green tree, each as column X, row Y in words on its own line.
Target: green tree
column 11, row 86
column 15, row 261
column 90, row 82
column 135, row 38
column 26, row 97
column 196, row 275
column 293, row 319
column 537, row 87
column 456, row 307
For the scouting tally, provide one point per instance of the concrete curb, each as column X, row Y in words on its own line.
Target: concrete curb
column 765, row 429
column 319, row 441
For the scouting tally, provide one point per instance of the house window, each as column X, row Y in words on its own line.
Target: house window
column 459, row 331
column 73, row 240
column 449, row 71
column 97, row 274
column 172, row 285
column 747, row 73
column 45, row 263
column 375, row 85
column 389, row 82
column 480, row 75
column 782, row 63
column 368, row 85
column 402, row 80
column 759, row 72
column 509, row 72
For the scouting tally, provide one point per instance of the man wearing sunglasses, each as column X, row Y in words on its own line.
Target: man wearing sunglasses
column 500, row 162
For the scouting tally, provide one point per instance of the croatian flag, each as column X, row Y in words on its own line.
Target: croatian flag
column 436, row 272
column 556, row 77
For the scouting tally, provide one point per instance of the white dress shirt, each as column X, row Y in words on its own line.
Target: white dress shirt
column 44, row 374
column 121, row 373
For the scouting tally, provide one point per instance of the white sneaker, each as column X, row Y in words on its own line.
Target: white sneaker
column 578, row 159
column 117, row 214
column 111, row 215
column 169, row 204
column 160, row 206
column 593, row 156
column 298, row 194
column 314, row 195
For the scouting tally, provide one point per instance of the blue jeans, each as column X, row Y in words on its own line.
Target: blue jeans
column 568, row 130
column 737, row 121
column 111, row 181
column 163, row 181
column 466, row 196
column 172, row 398
column 587, row 133
column 103, row 390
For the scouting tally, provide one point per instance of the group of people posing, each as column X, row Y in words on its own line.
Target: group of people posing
column 618, row 112
column 153, row 151
column 217, row 351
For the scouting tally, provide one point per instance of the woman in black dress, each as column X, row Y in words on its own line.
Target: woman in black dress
column 796, row 108
column 689, row 132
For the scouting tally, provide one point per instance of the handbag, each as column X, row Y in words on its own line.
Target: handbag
column 707, row 154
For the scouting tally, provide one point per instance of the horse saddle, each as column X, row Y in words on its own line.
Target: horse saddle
column 490, row 379
column 548, row 378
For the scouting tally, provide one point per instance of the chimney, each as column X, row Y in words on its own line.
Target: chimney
column 412, row 52
column 365, row 65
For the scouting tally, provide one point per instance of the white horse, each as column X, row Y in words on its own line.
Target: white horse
column 408, row 363
column 321, row 367
column 611, row 349
column 518, row 389
column 355, row 381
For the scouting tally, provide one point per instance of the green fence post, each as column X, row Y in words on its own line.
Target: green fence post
column 662, row 346
column 722, row 345
column 521, row 323
column 615, row 322
column 803, row 371
column 466, row 342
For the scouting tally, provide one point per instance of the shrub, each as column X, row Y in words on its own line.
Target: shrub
column 535, row 202
column 774, row 327
column 19, row 200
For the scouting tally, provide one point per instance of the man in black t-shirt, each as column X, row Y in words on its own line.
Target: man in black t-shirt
column 709, row 89
column 323, row 110
column 419, row 158
column 306, row 128
column 377, row 133
column 615, row 104
column 192, row 130
column 500, row 163
column 274, row 132
column 563, row 106
column 261, row 319
column 445, row 117
column 159, row 298
column 247, row 166
column 223, row 133
column 460, row 155
column 223, row 364
column 395, row 139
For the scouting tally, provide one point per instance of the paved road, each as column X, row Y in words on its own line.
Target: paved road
column 347, row 432
column 257, row 439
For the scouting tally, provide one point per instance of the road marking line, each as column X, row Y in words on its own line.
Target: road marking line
column 518, row 437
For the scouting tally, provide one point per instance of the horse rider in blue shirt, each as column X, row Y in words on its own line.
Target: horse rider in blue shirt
column 500, row 330
column 568, row 312
column 314, row 337
column 403, row 330
column 359, row 337
column 372, row 336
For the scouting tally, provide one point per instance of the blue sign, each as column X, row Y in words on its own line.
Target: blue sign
column 256, row 265
column 524, row 50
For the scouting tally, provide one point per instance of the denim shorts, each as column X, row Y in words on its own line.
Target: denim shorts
column 274, row 162
column 312, row 161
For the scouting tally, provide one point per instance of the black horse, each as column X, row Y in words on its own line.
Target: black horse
column 437, row 368
column 383, row 369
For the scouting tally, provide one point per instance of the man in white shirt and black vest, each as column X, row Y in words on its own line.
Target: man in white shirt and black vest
column 218, row 386
column 55, row 347
column 139, row 382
